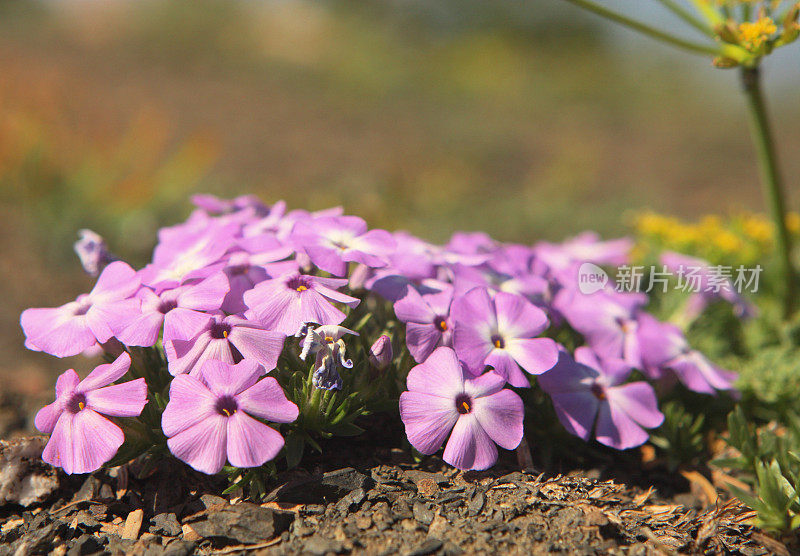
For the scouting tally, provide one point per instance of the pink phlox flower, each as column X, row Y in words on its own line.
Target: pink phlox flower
column 81, row 439
column 476, row 413
column 217, row 416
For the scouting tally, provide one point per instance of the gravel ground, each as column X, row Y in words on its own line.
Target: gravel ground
column 362, row 497
column 383, row 509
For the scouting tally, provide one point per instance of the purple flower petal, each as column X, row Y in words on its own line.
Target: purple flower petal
column 190, row 402
column 535, row 355
column 440, row 375
column 59, row 447
column 47, row 417
column 95, row 441
column 576, row 411
column 327, row 259
column 183, row 324
column 337, row 296
column 700, row 375
column 469, row 447
column 65, row 339
column 142, row 331
column 475, row 310
column 504, row 365
column 202, row 445
column 484, row 385
column 501, row 414
column 616, row 429
column 266, row 399
column 262, row 346
column 117, row 280
column 518, row 317
column 638, row 400
column 473, row 344
column 207, row 295
column 119, row 400
column 67, row 382
column 427, row 419
column 251, row 443
column 315, row 308
column 183, row 355
column 225, row 379
column 104, row 375
column 422, row 339
column 109, row 318
column 82, row 442
column 413, row 308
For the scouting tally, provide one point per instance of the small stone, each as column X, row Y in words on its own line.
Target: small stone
column 422, row 513
column 106, row 492
column 475, row 504
column 329, row 487
column 85, row 520
column 363, row 522
column 210, row 500
column 351, row 501
column 245, row 523
column 41, row 539
column 189, row 534
column 319, row 546
column 85, row 544
column 428, row 547
column 25, row 479
column 133, row 525
column 450, row 549
column 180, row 548
column 439, row 527
column 89, row 489
column 165, row 524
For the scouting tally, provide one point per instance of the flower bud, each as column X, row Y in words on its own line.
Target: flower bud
column 93, row 253
column 380, row 354
column 727, row 32
column 723, row 62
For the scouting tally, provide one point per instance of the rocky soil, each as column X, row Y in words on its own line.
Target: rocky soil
column 362, row 498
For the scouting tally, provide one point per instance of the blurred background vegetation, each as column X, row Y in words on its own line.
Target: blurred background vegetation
column 525, row 119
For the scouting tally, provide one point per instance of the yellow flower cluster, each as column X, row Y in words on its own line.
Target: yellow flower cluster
column 744, row 238
column 753, row 34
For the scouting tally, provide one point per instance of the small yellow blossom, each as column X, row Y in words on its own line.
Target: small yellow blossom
column 757, row 228
column 727, row 242
column 754, row 34
column 793, row 222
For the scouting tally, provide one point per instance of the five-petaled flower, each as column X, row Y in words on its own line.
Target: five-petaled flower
column 478, row 411
column 81, row 438
column 215, row 416
column 502, row 332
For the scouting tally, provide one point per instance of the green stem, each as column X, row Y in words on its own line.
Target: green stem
column 646, row 29
column 688, row 17
column 771, row 181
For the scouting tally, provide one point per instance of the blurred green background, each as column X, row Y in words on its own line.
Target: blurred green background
column 525, row 119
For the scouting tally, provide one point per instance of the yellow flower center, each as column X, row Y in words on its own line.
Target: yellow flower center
column 301, row 288
column 754, row 34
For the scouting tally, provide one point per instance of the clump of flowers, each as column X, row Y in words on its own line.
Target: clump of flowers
column 254, row 326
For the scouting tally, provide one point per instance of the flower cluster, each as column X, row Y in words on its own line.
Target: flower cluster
column 242, row 290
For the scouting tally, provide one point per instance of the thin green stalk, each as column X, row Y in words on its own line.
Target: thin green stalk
column 646, row 29
column 771, row 181
column 713, row 17
column 688, row 17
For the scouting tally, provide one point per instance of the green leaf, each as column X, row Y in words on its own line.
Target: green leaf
column 295, row 446
column 346, row 429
